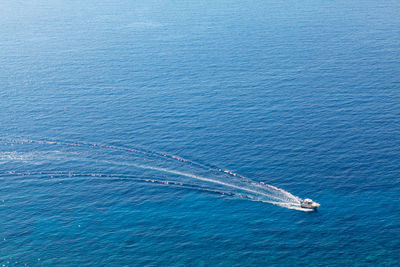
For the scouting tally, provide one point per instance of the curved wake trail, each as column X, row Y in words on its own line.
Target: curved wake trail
column 253, row 189
column 258, row 192
column 178, row 171
column 60, row 176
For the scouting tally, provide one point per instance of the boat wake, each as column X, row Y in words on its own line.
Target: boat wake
column 83, row 160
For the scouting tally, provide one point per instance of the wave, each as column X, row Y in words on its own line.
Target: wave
column 138, row 164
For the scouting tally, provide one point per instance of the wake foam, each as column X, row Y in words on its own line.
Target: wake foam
column 145, row 164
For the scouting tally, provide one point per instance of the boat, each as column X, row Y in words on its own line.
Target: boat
column 309, row 204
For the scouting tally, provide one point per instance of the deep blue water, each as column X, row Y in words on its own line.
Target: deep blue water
column 302, row 95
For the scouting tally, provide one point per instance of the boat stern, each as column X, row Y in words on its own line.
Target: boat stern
column 309, row 204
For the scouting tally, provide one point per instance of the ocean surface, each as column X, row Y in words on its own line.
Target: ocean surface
column 184, row 133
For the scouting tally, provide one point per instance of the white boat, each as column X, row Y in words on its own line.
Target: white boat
column 309, row 204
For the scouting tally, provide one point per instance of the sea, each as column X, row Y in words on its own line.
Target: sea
column 186, row 133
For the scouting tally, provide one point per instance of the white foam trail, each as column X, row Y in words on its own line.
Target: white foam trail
column 200, row 178
column 294, row 201
column 228, row 180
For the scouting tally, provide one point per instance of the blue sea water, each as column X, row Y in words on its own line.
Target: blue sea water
column 301, row 95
